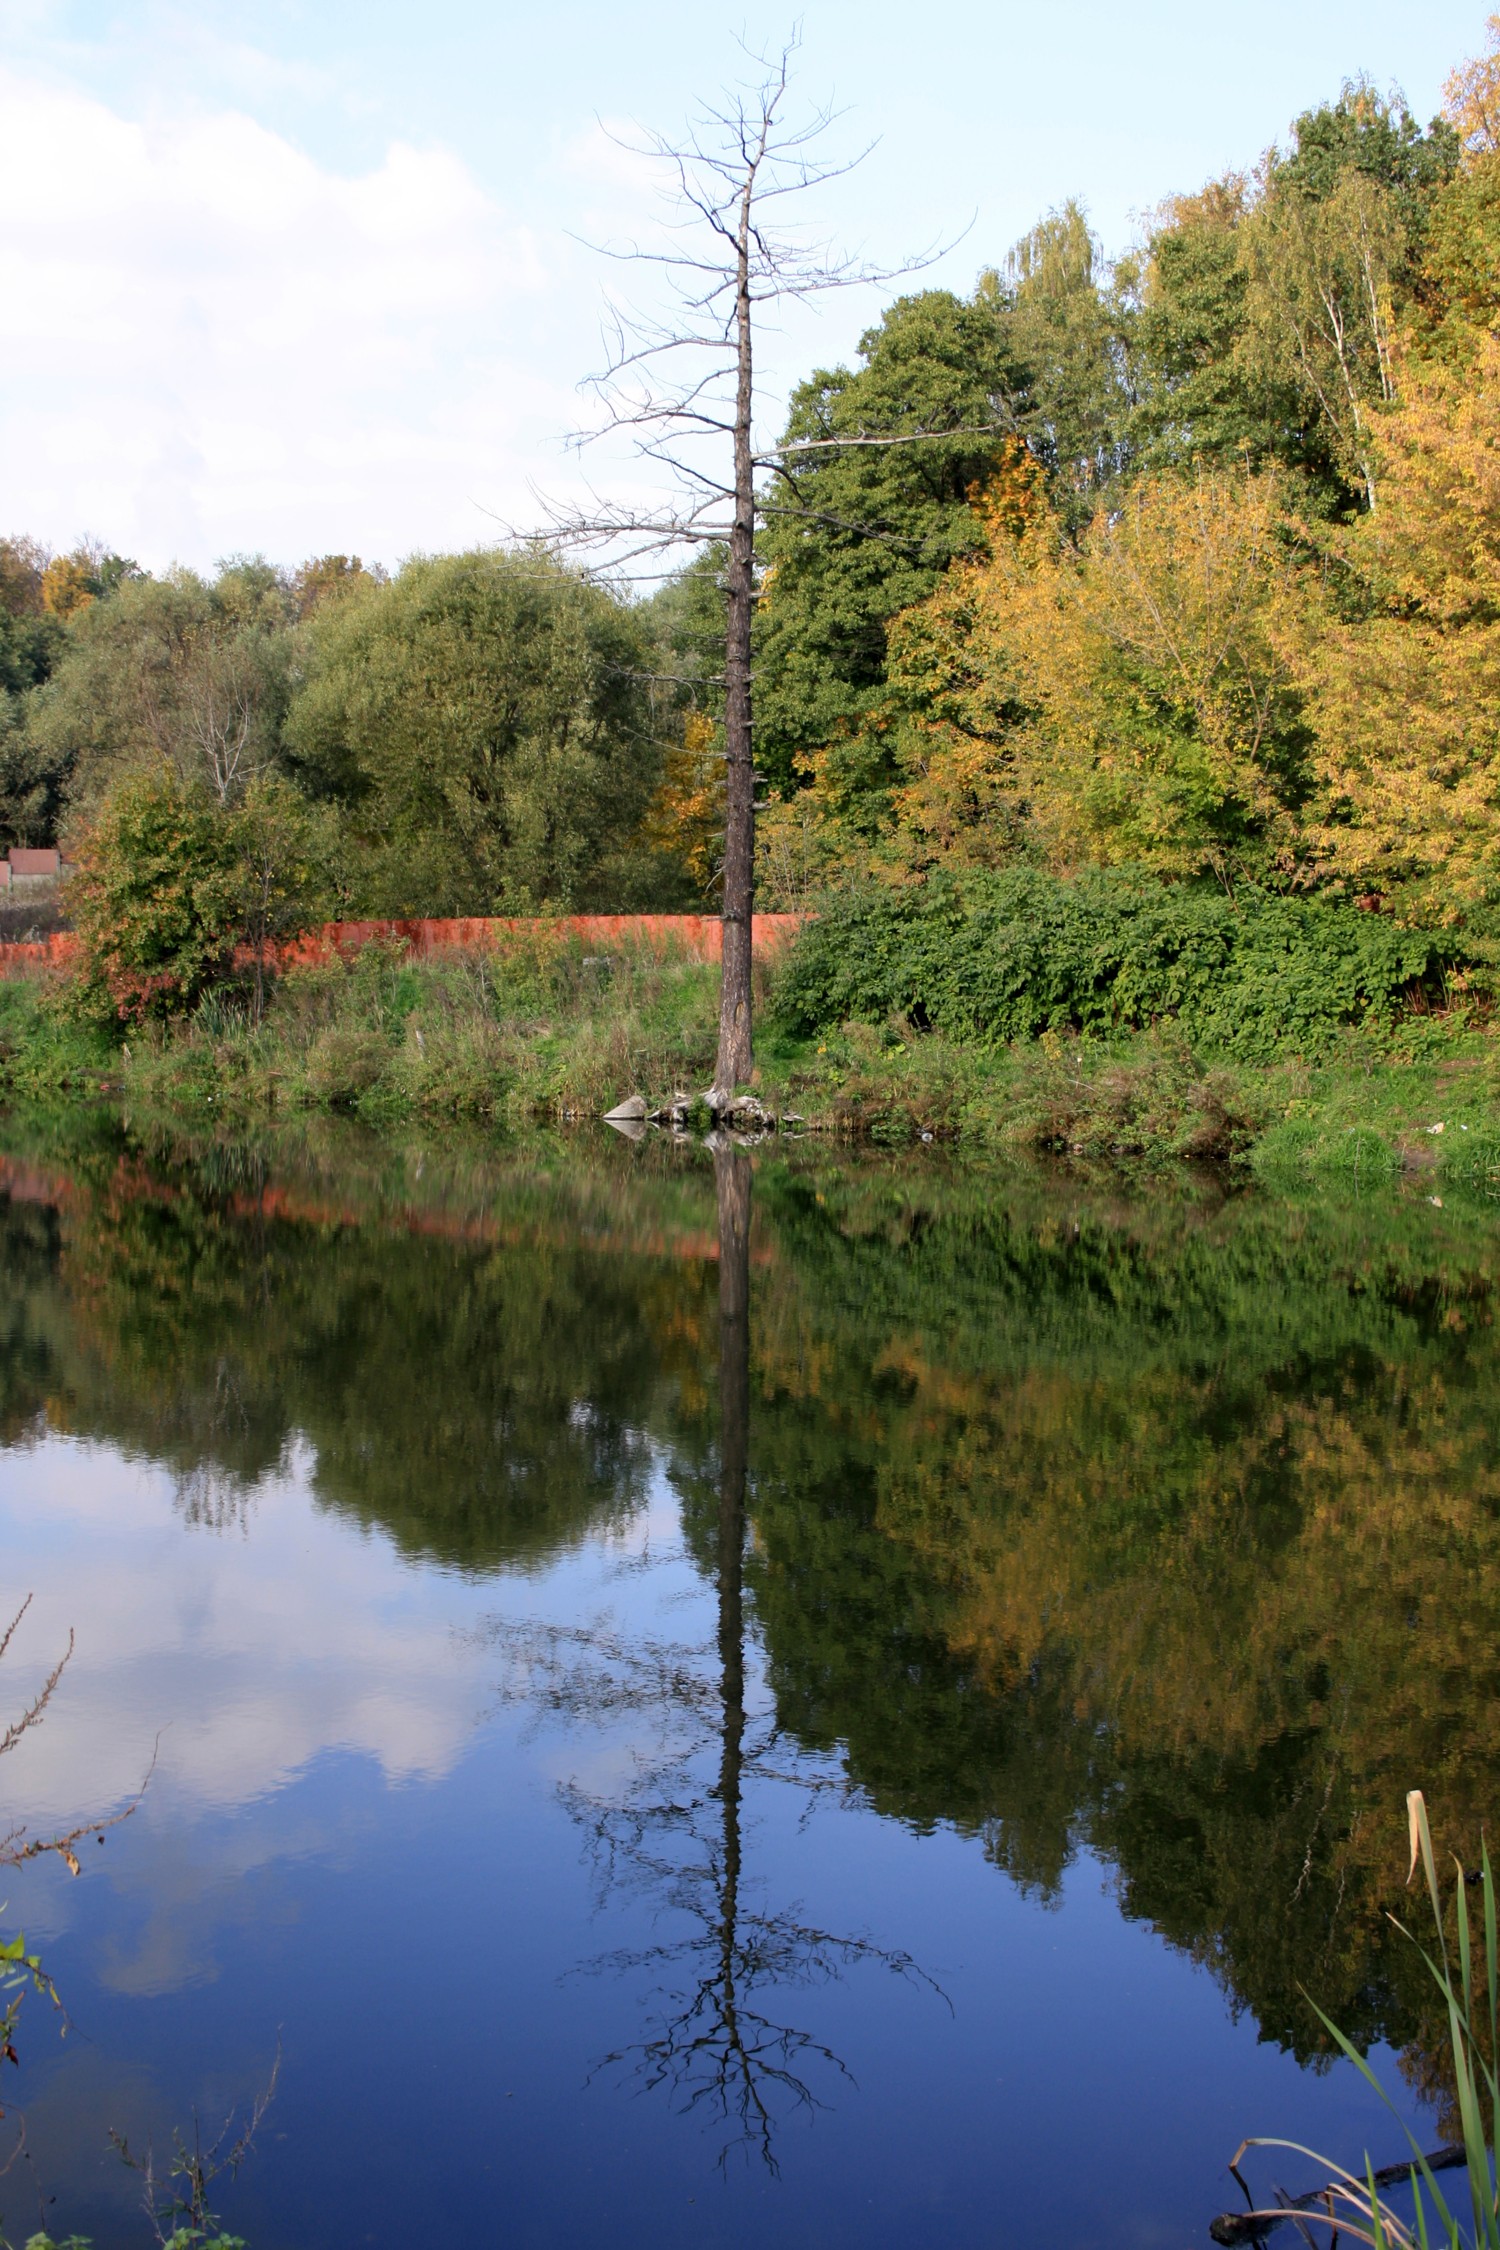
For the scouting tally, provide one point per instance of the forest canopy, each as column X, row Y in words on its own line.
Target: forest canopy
column 1185, row 559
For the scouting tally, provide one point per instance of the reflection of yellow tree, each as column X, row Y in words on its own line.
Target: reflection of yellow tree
column 1214, row 1585
column 1067, row 1510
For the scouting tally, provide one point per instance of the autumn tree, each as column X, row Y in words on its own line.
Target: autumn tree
column 22, row 562
column 323, row 577
column 853, row 534
column 1459, row 288
column 156, row 898
column 90, row 573
column 1471, row 97
column 1124, row 698
column 1402, row 673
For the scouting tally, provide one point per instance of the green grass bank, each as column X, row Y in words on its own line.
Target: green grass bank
column 547, row 1034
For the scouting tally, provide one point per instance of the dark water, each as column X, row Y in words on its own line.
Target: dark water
column 729, row 1699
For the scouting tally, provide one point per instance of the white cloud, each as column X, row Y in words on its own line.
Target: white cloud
column 213, row 343
column 248, row 1655
column 280, row 1674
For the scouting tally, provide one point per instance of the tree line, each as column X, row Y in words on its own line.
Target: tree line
column 1187, row 560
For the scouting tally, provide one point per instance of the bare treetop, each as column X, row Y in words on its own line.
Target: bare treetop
column 671, row 378
column 681, row 385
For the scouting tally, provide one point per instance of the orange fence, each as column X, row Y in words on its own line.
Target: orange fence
column 700, row 936
column 37, row 953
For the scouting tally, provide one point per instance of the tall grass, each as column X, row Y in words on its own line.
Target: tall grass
column 1355, row 2207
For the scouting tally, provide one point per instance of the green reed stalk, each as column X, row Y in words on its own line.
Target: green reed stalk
column 1354, row 2205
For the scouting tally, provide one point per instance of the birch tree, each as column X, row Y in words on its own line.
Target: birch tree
column 1320, row 306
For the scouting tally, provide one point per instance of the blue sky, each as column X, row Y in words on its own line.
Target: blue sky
column 304, row 277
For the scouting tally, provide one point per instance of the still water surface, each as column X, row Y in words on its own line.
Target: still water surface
column 729, row 1699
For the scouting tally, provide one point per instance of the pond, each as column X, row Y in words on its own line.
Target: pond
column 711, row 1697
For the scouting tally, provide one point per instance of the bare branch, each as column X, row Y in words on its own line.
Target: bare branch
column 13, row 1853
column 15, row 1621
column 777, row 453
column 679, row 385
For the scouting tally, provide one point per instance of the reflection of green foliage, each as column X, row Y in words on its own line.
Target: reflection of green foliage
column 477, row 1399
column 1048, row 1493
column 1049, row 1507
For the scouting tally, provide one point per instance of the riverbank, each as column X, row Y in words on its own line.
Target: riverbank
column 548, row 1033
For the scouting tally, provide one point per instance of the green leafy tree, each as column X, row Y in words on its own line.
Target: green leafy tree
column 859, row 527
column 291, row 865
column 31, row 791
column 1333, row 251
column 1197, row 397
column 485, row 721
column 31, row 641
column 1069, row 321
column 859, row 532
column 157, row 898
column 186, row 675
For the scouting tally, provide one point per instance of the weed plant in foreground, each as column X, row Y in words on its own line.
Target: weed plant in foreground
column 1358, row 2206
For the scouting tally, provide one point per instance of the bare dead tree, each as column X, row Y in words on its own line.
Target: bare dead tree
column 682, row 386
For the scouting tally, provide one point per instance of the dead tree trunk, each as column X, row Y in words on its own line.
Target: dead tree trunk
column 682, row 385
column 736, row 1055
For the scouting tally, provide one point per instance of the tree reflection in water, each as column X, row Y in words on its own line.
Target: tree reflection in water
column 714, row 2040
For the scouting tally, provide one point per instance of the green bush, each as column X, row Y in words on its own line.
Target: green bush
column 156, row 900
column 172, row 884
column 1006, row 956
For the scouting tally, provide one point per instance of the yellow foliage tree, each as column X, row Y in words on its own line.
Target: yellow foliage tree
column 68, row 585
column 1405, row 694
column 1471, row 97
column 685, row 818
column 1125, row 699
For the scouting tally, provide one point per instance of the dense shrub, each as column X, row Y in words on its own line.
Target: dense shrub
column 156, row 899
column 171, row 884
column 1006, row 956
